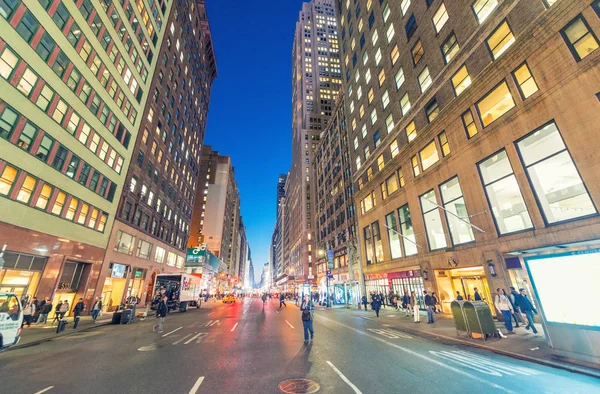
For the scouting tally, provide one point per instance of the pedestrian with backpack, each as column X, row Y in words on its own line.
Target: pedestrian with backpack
column 308, row 316
column 161, row 312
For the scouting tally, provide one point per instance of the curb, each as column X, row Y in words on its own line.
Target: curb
column 48, row 339
column 569, row 368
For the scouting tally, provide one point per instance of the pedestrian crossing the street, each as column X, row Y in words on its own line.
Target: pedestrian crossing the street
column 483, row 364
column 392, row 334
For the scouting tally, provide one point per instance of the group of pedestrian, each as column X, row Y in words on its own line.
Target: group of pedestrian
column 512, row 306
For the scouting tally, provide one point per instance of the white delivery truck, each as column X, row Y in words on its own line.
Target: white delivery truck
column 11, row 320
column 182, row 291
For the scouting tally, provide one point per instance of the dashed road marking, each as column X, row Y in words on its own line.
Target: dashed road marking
column 182, row 339
column 483, row 364
column 234, row 326
column 344, row 378
column 44, row 390
column 392, row 334
column 169, row 333
column 192, row 338
column 197, row 385
column 213, row 323
column 289, row 324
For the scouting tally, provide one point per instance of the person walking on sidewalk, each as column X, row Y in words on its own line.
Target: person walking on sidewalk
column 96, row 309
column 406, row 304
column 161, row 312
column 395, row 301
column 57, row 312
column 477, row 295
column 415, row 307
column 435, row 302
column 282, row 301
column 376, row 304
column 64, row 309
column 513, row 298
column 46, row 309
column 308, row 316
column 365, row 301
column 504, row 306
column 526, row 307
column 429, row 303
column 28, row 313
column 79, row 307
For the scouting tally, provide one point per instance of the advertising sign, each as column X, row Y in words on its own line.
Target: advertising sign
column 194, row 255
column 339, row 295
column 551, row 274
column 330, row 255
column 118, row 271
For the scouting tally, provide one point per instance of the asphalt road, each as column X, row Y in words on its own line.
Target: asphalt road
column 245, row 348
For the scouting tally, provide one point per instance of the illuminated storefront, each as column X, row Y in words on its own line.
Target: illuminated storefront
column 407, row 282
column 21, row 274
column 464, row 281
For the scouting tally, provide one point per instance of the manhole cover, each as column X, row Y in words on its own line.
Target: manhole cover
column 299, row 386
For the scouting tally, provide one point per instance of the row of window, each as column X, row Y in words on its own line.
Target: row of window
column 21, row 132
column 22, row 187
column 560, row 193
column 125, row 243
column 29, row 28
column 21, row 76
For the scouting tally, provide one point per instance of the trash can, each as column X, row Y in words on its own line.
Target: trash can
column 479, row 319
column 126, row 316
column 459, row 317
column 116, row 317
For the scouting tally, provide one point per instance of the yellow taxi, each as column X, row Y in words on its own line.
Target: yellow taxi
column 228, row 299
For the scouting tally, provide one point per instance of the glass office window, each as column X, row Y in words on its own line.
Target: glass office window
column 411, row 131
column 44, row 197
column 461, row 80
column 579, row 38
column 452, row 197
column 26, row 189
column 483, row 9
column 450, row 48
column 504, row 195
column 440, row 17
column 59, row 203
column 525, row 81
column 500, row 40
column 495, row 104
column 559, row 189
column 393, row 235
column 408, row 240
column 7, row 178
column 469, row 123
column 433, row 221
column 429, row 155
column 425, row 80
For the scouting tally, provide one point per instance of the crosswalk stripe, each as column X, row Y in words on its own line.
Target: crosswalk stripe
column 182, row 339
column 192, row 338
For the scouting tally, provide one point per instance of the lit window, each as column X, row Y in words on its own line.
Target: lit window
column 364, row 131
column 380, row 162
column 391, row 184
column 417, row 52
column 415, row 166
column 374, row 37
column 365, row 58
column 59, row 203
column 559, row 189
column 367, row 152
column 404, row 6
column 525, row 81
column 385, row 99
column 386, row 12
column 424, row 80
column 411, row 131
column 27, row 82
column 358, row 163
column 27, row 135
column 390, row 33
column 83, row 212
column 361, row 111
column 72, row 208
column 368, row 75
column 450, row 48
column 440, row 18
column 408, row 233
column 500, row 40
column 93, row 218
column 579, row 37
column 378, row 57
column 432, row 110
column 371, row 95
column 373, row 116
column 405, row 104
column 389, row 123
column 394, row 149
column 369, row 174
column 359, row 92
column 483, row 9
column 433, row 221
column 469, row 123
column 355, row 143
column 7, row 179
column 399, row 78
column 429, row 155
column 352, row 106
column 44, row 197
column 503, row 193
column 495, row 104
column 383, row 191
column 102, row 224
column 461, row 80
column 8, row 62
column 456, row 212
column 443, row 140
column 395, row 55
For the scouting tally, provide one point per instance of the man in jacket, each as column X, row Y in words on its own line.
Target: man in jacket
column 477, row 295
column 96, row 309
column 79, row 307
column 429, row 303
column 365, row 301
column 308, row 316
column 513, row 300
column 523, row 303
column 503, row 305
column 64, row 309
column 161, row 313
column 282, row 301
column 406, row 304
column 376, row 304
column 46, row 309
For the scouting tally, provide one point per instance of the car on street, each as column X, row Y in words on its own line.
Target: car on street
column 11, row 320
column 229, row 299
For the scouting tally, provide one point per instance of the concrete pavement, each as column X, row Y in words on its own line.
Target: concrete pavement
column 245, row 348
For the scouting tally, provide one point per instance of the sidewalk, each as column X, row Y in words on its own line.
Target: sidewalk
column 41, row 333
column 523, row 345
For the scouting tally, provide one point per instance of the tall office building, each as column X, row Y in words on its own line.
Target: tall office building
column 316, row 80
column 76, row 77
column 153, row 220
column 471, row 124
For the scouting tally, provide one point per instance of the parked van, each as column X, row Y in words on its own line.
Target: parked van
column 11, row 320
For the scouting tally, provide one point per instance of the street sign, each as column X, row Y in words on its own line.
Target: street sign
column 328, row 272
column 330, row 254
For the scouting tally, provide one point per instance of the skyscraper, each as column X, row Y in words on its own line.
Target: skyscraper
column 316, row 80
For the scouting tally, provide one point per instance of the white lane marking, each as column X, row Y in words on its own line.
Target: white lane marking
column 389, row 333
column 289, row 324
column 202, row 336
column 169, row 333
column 192, row 338
column 243, row 313
column 182, row 339
column 148, row 348
column 421, row 356
column 197, row 385
column 212, row 323
column 234, row 326
column 44, row 390
column 345, row 379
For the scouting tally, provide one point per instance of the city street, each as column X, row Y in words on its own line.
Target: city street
column 245, row 348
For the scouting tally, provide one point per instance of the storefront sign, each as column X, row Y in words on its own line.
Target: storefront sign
column 404, row 274
column 376, row 276
column 330, row 256
column 195, row 255
column 118, row 271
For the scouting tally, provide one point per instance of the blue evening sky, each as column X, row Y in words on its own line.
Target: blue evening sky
column 251, row 104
